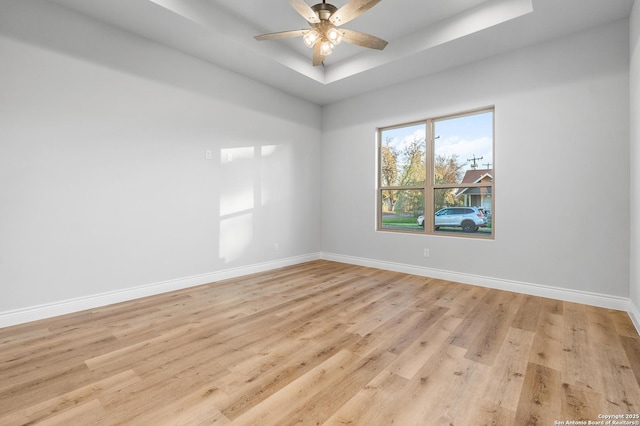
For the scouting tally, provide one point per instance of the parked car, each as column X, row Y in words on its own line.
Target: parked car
column 468, row 218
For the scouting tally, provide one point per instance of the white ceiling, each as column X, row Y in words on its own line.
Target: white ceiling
column 425, row 36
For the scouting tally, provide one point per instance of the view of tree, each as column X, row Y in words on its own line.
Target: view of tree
column 413, row 161
column 447, row 170
column 403, row 167
column 389, row 157
column 407, row 167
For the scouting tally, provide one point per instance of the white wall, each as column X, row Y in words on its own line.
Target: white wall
column 562, row 136
column 104, row 184
column 635, row 155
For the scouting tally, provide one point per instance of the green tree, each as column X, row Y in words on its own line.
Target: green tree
column 413, row 163
column 407, row 167
column 447, row 170
column 414, row 173
column 389, row 177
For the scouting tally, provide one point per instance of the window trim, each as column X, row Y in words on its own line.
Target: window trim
column 430, row 186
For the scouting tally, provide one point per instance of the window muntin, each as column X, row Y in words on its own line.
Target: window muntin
column 435, row 164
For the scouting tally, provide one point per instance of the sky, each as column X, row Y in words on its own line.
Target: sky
column 467, row 136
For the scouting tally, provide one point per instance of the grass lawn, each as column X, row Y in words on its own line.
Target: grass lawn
column 401, row 223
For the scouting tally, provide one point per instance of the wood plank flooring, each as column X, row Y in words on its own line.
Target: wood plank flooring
column 323, row 343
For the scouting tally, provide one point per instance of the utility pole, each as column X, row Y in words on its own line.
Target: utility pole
column 488, row 165
column 474, row 164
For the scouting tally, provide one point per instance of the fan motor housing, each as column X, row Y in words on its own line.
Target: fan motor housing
column 324, row 10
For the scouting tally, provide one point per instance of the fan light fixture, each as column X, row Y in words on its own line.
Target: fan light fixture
column 324, row 34
column 328, row 37
column 311, row 38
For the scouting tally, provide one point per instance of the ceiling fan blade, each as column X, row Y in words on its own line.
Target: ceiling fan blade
column 318, row 57
column 283, row 34
column 363, row 39
column 351, row 11
column 305, row 11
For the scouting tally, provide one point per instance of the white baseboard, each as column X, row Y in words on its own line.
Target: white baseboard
column 576, row 296
column 20, row 316
column 635, row 315
column 34, row 313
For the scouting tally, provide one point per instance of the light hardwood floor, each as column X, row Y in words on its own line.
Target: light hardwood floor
column 323, row 343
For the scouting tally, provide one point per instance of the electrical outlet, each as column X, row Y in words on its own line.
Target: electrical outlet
column 426, row 252
column 208, row 154
column 276, row 246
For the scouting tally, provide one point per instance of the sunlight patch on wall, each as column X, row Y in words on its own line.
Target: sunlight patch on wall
column 238, row 180
column 229, row 155
column 236, row 235
column 268, row 150
column 236, row 199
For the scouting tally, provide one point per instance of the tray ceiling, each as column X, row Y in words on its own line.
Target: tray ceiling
column 424, row 36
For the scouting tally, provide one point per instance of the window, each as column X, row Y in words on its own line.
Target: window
column 437, row 176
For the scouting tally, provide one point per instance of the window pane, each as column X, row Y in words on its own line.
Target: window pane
column 403, row 156
column 463, row 148
column 401, row 209
column 463, row 210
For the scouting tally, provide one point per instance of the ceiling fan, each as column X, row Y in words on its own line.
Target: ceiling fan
column 324, row 34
